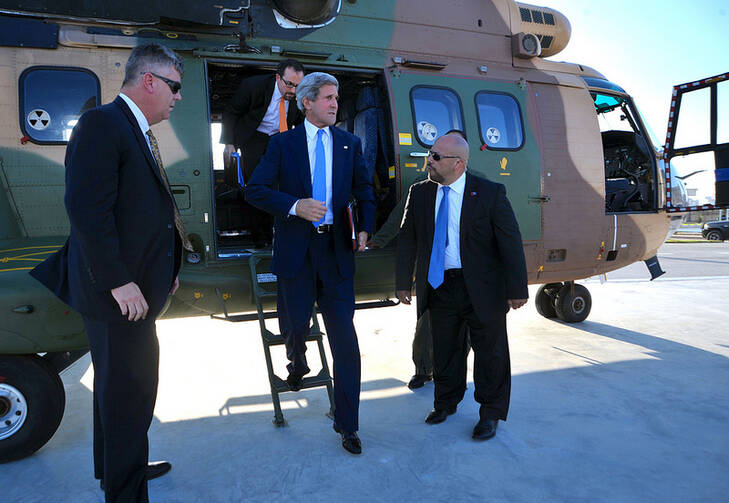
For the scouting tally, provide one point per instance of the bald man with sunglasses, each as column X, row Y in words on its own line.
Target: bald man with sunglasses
column 463, row 235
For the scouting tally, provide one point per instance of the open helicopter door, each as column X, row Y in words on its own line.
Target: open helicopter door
column 493, row 116
column 690, row 140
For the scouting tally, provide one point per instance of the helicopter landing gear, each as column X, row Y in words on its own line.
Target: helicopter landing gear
column 32, row 401
column 567, row 301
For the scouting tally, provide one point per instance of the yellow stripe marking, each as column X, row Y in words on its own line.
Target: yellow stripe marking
column 31, row 248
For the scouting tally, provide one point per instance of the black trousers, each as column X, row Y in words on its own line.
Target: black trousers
column 319, row 280
column 261, row 225
column 126, row 363
column 423, row 345
column 450, row 309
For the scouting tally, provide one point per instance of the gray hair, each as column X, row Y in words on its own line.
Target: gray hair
column 146, row 58
column 310, row 85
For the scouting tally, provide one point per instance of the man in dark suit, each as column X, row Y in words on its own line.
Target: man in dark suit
column 306, row 179
column 121, row 261
column 262, row 106
column 461, row 231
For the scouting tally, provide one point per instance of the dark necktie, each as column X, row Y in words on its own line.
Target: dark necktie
column 436, row 269
column 178, row 219
column 319, row 183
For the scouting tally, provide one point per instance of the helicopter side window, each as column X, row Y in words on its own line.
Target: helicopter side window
column 436, row 110
column 499, row 121
column 52, row 99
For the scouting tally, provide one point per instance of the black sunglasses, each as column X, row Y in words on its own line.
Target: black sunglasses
column 437, row 157
column 174, row 85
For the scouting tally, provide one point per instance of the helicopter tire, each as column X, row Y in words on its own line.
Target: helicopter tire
column 545, row 299
column 573, row 303
column 32, row 402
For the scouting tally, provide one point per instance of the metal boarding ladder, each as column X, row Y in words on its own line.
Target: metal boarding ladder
column 263, row 290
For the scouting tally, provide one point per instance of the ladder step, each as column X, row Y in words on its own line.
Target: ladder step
column 263, row 294
column 317, row 381
column 272, row 339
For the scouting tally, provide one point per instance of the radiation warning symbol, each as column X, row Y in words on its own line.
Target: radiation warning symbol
column 493, row 135
column 427, row 131
column 39, row 119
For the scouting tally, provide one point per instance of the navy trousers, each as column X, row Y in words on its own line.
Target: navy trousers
column 126, row 363
column 319, row 280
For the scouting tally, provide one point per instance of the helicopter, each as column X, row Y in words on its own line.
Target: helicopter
column 591, row 191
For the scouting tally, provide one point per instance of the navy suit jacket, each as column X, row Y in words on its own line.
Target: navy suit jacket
column 122, row 219
column 283, row 176
column 492, row 253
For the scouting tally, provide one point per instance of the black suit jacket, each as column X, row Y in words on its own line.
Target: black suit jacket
column 247, row 108
column 283, row 176
column 492, row 254
column 122, row 219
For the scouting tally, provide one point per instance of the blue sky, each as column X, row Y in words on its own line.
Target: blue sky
column 648, row 46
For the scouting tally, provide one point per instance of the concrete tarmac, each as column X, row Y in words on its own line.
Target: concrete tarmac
column 630, row 405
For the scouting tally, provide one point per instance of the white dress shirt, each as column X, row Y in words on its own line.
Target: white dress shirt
column 311, row 134
column 141, row 119
column 455, row 202
column 270, row 123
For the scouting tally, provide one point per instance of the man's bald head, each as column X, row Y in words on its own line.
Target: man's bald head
column 452, row 153
column 452, row 144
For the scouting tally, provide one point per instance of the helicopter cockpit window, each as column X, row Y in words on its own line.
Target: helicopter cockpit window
column 436, row 110
column 52, row 99
column 499, row 121
column 629, row 158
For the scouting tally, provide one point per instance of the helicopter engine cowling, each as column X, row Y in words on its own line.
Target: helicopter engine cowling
column 311, row 12
column 550, row 26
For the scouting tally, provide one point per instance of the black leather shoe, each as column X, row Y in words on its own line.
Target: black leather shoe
column 154, row 470
column 485, row 429
column 419, row 380
column 350, row 441
column 439, row 415
column 295, row 382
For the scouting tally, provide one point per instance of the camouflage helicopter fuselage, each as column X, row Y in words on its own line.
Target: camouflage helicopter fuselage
column 555, row 178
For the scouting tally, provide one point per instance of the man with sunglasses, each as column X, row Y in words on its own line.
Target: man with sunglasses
column 463, row 235
column 121, row 261
column 262, row 106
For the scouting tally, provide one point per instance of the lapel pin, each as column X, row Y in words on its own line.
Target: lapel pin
column 346, row 147
column 473, row 193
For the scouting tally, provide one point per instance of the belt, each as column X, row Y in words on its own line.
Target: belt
column 324, row 228
column 454, row 273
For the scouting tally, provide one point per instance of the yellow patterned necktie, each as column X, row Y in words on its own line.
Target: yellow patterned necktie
column 178, row 219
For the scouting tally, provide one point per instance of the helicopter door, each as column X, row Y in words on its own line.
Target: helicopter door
column 493, row 117
column 697, row 140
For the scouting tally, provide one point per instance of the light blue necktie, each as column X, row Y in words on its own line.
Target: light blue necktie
column 319, row 184
column 440, row 241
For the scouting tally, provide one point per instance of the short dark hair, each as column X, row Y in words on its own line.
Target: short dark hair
column 289, row 63
column 458, row 132
column 145, row 57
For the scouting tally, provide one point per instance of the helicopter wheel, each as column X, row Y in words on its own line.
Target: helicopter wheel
column 32, row 401
column 545, row 299
column 573, row 303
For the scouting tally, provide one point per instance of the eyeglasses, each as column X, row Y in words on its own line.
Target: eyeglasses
column 287, row 83
column 174, row 85
column 437, row 157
